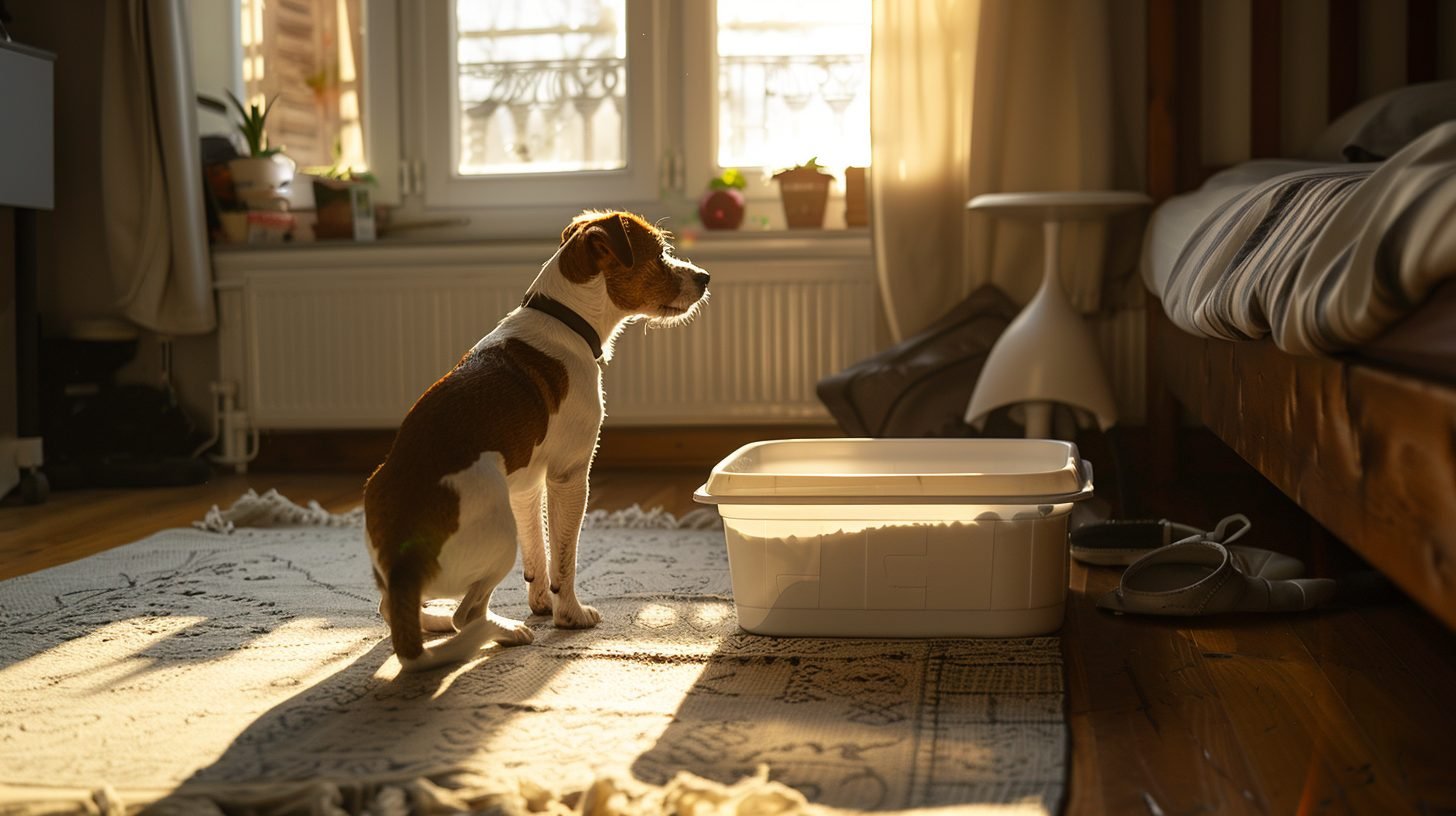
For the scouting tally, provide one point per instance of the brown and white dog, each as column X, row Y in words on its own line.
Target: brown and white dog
column 504, row 442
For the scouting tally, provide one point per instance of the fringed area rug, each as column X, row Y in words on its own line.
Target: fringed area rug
column 242, row 667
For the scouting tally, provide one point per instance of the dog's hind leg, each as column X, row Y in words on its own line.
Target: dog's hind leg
column 468, row 641
column 481, row 552
column 472, row 605
column 530, row 528
column 477, row 625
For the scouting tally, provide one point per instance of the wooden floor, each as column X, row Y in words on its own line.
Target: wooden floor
column 1346, row 711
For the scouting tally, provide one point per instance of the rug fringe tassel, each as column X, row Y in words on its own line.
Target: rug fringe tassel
column 465, row 792
column 273, row 509
column 636, row 518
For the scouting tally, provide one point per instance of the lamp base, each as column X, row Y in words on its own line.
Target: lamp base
column 1047, row 355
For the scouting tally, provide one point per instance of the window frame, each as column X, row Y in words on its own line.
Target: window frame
column 383, row 148
column 435, row 136
column 700, row 97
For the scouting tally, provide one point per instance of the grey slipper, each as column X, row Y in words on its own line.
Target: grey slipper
column 1120, row 543
column 1201, row 575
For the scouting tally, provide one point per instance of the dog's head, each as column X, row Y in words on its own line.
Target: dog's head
column 633, row 259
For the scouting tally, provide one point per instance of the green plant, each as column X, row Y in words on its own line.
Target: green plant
column 338, row 171
column 730, row 179
column 810, row 166
column 253, row 126
column 324, row 80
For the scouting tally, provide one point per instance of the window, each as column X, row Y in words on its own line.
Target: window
column 304, row 57
column 522, row 103
column 520, row 110
column 541, row 87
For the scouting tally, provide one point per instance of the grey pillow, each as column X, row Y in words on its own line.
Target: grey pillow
column 1379, row 127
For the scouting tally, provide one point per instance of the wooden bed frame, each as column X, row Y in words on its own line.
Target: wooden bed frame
column 1368, row 453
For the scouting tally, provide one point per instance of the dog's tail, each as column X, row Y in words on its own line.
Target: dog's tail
column 402, row 610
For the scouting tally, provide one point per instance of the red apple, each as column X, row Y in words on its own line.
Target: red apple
column 721, row 209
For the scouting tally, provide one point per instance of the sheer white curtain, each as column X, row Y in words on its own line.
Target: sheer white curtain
column 980, row 96
column 156, row 229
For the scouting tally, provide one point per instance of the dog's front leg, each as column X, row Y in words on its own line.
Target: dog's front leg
column 527, row 509
column 566, row 504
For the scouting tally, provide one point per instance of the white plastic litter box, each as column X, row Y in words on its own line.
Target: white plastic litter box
column 899, row 537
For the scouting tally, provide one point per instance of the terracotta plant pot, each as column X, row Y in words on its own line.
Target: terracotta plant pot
column 344, row 209
column 721, row 209
column 805, row 193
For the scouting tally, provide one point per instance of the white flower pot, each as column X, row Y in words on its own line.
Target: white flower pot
column 260, row 181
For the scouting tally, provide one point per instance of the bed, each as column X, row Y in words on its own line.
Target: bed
column 1361, row 435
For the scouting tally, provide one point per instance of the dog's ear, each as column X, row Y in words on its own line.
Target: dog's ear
column 592, row 243
column 608, row 236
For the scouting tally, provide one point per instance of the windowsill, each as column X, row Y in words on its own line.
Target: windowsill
column 848, row 241
column 851, row 242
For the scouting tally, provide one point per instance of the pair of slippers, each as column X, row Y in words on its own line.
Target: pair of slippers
column 1175, row 569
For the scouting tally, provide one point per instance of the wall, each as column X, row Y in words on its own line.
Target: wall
column 1129, row 71
column 217, row 57
column 75, row 285
column 72, row 239
column 1303, row 81
column 8, row 419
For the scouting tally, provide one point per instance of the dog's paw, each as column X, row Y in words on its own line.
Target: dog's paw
column 582, row 617
column 512, row 632
column 539, row 597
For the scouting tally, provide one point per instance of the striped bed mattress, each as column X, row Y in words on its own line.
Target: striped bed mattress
column 1322, row 258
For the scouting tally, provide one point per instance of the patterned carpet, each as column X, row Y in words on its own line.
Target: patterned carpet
column 219, row 667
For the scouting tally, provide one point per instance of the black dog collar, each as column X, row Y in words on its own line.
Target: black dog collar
column 564, row 313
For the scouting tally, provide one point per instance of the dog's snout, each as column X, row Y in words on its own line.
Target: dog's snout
column 701, row 279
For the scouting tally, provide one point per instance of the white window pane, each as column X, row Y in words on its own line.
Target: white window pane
column 793, row 82
column 542, row 86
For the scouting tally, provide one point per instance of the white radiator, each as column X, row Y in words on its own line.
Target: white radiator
column 330, row 337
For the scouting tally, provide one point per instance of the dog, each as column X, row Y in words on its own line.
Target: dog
column 500, row 448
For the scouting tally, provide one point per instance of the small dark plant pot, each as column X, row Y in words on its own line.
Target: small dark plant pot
column 806, row 195
column 721, row 209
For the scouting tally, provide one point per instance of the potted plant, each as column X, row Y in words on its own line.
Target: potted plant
column 805, row 193
column 261, row 178
column 722, row 207
column 343, row 203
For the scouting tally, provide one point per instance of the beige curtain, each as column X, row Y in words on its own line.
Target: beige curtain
column 980, row 96
column 151, row 170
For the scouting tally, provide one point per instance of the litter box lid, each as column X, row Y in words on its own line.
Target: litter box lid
column 900, row 471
